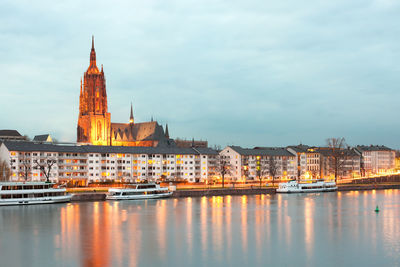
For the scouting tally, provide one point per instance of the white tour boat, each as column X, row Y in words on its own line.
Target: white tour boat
column 138, row 191
column 304, row 187
column 25, row 193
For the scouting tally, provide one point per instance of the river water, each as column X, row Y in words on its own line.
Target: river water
column 319, row 229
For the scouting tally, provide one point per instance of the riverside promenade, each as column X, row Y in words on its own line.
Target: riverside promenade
column 376, row 183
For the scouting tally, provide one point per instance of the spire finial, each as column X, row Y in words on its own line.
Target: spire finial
column 92, row 65
column 166, row 131
column 131, row 117
column 151, row 117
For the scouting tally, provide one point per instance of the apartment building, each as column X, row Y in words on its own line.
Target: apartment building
column 323, row 162
column 376, row 159
column 86, row 163
column 246, row 163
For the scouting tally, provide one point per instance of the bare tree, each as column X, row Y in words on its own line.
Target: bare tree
column 272, row 168
column 223, row 167
column 5, row 171
column 245, row 168
column 261, row 169
column 338, row 155
column 245, row 172
column 45, row 167
column 25, row 169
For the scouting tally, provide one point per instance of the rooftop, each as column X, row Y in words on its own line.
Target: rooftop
column 32, row 147
column 9, row 133
column 262, row 151
column 373, row 148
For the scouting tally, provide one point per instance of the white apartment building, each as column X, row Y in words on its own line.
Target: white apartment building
column 301, row 159
column 83, row 164
column 247, row 164
column 318, row 162
column 308, row 161
column 376, row 159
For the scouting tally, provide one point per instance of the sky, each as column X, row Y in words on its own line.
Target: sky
column 249, row 73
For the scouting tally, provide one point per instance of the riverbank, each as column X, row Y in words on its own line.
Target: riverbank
column 101, row 196
column 358, row 187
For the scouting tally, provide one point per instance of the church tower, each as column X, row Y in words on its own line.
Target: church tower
column 94, row 120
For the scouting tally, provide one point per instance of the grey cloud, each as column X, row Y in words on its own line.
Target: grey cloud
column 244, row 72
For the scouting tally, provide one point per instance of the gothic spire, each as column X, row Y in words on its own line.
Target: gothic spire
column 166, row 131
column 131, row 117
column 93, row 55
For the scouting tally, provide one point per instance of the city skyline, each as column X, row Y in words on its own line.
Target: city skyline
column 279, row 78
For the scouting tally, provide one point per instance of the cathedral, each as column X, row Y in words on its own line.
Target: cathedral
column 94, row 122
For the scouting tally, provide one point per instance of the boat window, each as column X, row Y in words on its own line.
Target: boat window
column 146, row 186
column 133, row 193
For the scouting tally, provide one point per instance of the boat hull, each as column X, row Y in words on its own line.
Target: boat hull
column 35, row 201
column 139, row 197
column 292, row 190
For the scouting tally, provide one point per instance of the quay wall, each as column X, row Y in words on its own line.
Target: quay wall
column 79, row 197
column 356, row 187
column 88, row 197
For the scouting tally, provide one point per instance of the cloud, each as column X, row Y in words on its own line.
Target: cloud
column 244, row 72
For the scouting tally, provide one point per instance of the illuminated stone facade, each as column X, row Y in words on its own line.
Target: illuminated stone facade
column 94, row 122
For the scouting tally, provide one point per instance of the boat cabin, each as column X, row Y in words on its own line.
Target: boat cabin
column 25, row 186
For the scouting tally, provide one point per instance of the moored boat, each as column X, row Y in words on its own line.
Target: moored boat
column 138, row 191
column 305, row 187
column 26, row 193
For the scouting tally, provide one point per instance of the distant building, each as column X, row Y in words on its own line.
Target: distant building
column 376, row 159
column 11, row 135
column 302, row 157
column 80, row 165
column 245, row 161
column 346, row 165
column 319, row 162
column 397, row 161
column 94, row 122
column 190, row 143
column 44, row 138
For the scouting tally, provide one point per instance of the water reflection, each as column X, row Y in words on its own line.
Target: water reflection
column 244, row 226
column 310, row 229
column 309, row 226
